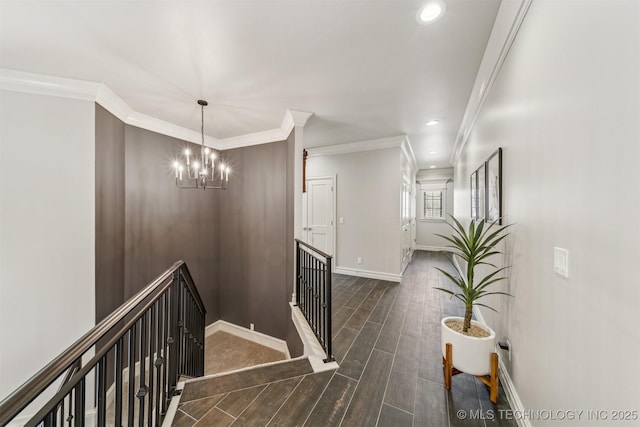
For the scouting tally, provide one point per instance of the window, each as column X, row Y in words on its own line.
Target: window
column 433, row 204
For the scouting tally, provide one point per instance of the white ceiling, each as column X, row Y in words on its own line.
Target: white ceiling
column 366, row 69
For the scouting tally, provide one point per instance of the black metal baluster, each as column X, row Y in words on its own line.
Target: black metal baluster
column 309, row 288
column 174, row 339
column 101, row 389
column 313, row 303
column 158, row 360
column 305, row 285
column 49, row 420
column 202, row 342
column 297, row 301
column 131, row 364
column 71, row 409
column 79, row 404
column 305, row 291
column 307, row 280
column 165, row 350
column 117, row 381
column 316, row 293
column 193, row 340
column 192, row 336
column 142, row 350
column 196, row 338
column 62, row 411
column 186, row 330
column 194, row 330
column 180, row 331
column 321, row 303
column 152, row 342
column 329, row 338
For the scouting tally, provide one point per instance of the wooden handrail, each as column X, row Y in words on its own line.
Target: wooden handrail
column 318, row 251
column 25, row 394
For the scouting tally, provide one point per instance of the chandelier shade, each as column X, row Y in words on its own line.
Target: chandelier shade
column 203, row 170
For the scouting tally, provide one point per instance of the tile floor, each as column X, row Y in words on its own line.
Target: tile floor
column 227, row 352
column 387, row 342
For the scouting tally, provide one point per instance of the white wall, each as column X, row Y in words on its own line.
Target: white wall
column 566, row 110
column 368, row 200
column 426, row 229
column 47, row 218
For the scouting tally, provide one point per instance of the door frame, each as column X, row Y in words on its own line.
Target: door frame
column 305, row 213
column 405, row 180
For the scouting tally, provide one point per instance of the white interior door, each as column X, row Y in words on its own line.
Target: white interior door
column 319, row 225
column 406, row 230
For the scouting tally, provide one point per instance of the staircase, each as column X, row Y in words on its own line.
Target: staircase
column 280, row 393
column 128, row 368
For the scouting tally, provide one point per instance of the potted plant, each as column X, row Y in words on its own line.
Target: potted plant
column 468, row 346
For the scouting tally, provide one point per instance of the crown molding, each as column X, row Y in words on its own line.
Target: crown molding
column 152, row 124
column 113, row 103
column 434, row 181
column 41, row 84
column 407, row 149
column 354, row 147
column 510, row 16
column 256, row 138
column 298, row 118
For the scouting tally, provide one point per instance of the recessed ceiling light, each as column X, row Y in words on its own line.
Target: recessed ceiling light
column 432, row 122
column 433, row 152
column 432, row 167
column 431, row 12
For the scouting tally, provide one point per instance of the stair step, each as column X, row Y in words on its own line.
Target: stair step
column 200, row 388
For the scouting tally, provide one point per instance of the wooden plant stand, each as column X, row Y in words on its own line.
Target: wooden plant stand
column 490, row 380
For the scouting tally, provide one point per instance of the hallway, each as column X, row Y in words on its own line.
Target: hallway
column 387, row 343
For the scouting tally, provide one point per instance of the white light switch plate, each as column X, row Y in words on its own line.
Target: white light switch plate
column 561, row 261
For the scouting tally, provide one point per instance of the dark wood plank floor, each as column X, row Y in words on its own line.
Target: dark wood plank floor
column 387, row 343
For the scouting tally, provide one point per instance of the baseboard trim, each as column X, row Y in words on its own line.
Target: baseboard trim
column 509, row 388
column 247, row 334
column 431, row 248
column 512, row 395
column 368, row 274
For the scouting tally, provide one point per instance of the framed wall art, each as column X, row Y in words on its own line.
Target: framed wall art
column 474, row 195
column 481, row 193
column 494, row 187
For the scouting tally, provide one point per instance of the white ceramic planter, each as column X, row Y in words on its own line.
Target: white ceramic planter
column 470, row 354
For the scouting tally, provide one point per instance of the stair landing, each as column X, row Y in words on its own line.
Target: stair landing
column 257, row 396
column 227, row 352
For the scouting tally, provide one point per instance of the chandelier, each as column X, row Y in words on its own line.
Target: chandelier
column 199, row 171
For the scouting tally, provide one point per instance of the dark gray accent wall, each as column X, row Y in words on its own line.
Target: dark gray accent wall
column 253, row 251
column 164, row 223
column 109, row 185
column 238, row 243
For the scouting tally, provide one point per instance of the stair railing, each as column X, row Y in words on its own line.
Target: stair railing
column 134, row 359
column 313, row 292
